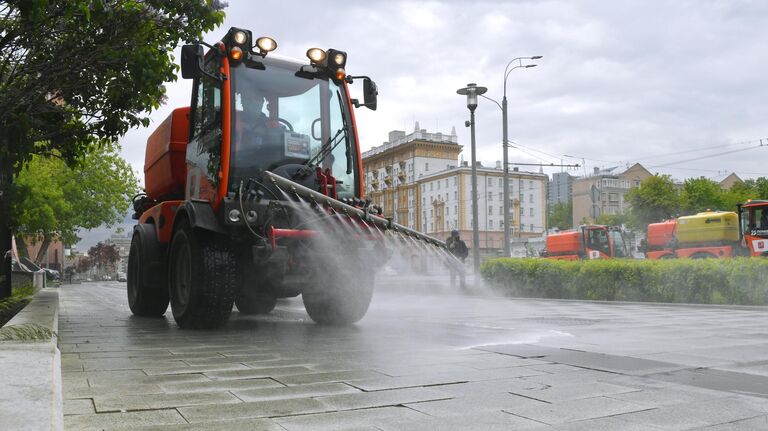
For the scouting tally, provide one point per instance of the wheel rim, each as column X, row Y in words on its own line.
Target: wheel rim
column 182, row 276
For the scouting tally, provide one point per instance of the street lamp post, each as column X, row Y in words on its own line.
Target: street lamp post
column 472, row 91
column 505, row 143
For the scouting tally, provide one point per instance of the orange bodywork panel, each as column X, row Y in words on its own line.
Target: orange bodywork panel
column 165, row 169
column 564, row 243
column 162, row 216
column 758, row 246
column 716, row 251
column 360, row 183
column 661, row 235
column 660, row 254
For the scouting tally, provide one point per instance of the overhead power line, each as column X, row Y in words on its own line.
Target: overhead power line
column 707, row 156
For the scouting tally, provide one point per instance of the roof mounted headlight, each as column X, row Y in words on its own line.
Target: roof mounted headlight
column 316, row 55
column 266, row 44
column 337, row 59
column 239, row 37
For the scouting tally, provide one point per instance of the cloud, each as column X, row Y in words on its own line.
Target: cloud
column 619, row 80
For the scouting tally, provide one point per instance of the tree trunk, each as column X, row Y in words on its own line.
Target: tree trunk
column 5, row 231
column 43, row 249
column 21, row 246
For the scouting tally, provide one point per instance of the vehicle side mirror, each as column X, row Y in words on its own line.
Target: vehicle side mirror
column 191, row 61
column 370, row 93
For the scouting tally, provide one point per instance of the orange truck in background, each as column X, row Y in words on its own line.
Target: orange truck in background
column 711, row 234
column 753, row 225
column 587, row 242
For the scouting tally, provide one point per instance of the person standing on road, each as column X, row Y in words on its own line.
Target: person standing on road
column 458, row 248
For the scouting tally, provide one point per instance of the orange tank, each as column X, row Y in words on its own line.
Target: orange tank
column 563, row 243
column 661, row 235
column 165, row 168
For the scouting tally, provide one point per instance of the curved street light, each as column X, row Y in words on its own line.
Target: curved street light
column 505, row 144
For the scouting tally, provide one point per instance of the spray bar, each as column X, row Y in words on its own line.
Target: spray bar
column 349, row 210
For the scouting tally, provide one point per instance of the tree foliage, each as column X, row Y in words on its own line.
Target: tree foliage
column 76, row 72
column 54, row 200
column 560, row 216
column 701, row 194
column 103, row 256
column 656, row 199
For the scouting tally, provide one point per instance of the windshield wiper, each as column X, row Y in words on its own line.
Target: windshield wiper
column 327, row 148
column 334, row 142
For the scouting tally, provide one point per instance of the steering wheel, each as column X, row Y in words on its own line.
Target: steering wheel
column 286, row 123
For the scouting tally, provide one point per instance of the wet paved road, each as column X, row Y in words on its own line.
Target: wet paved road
column 421, row 359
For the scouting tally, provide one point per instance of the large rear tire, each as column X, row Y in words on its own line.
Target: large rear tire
column 202, row 277
column 338, row 298
column 143, row 299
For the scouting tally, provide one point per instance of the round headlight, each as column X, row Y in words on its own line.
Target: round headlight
column 240, row 37
column 266, row 44
column 234, row 215
column 340, row 74
column 316, row 55
column 338, row 59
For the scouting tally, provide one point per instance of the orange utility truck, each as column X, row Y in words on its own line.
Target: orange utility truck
column 587, row 242
column 255, row 191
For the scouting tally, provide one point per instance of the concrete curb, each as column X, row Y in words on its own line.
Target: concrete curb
column 30, row 367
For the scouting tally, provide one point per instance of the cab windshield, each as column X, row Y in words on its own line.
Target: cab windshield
column 279, row 118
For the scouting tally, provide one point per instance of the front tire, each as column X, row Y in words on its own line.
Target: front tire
column 202, row 278
column 143, row 299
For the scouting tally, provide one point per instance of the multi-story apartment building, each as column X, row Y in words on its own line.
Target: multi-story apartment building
column 603, row 192
column 419, row 182
column 123, row 245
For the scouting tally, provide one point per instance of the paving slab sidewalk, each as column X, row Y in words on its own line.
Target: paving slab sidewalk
column 31, row 384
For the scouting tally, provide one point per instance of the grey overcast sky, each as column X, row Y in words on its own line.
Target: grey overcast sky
column 620, row 81
column 656, row 82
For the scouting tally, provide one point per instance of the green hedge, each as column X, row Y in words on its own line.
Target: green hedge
column 702, row 281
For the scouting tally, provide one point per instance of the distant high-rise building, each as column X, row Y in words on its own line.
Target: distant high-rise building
column 560, row 188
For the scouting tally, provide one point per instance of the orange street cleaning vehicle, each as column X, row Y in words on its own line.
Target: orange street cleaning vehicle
column 711, row 234
column 587, row 242
column 753, row 224
column 255, row 191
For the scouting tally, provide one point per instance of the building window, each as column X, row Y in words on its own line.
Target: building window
column 530, row 185
column 424, row 201
column 530, row 198
column 431, row 187
column 490, row 210
column 438, row 185
column 530, row 212
column 490, row 224
column 431, row 213
column 455, row 180
column 531, row 228
column 426, row 166
column 501, row 182
column 501, row 196
column 501, row 210
column 490, row 196
column 490, row 181
column 447, row 210
column 446, row 183
column 455, row 194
